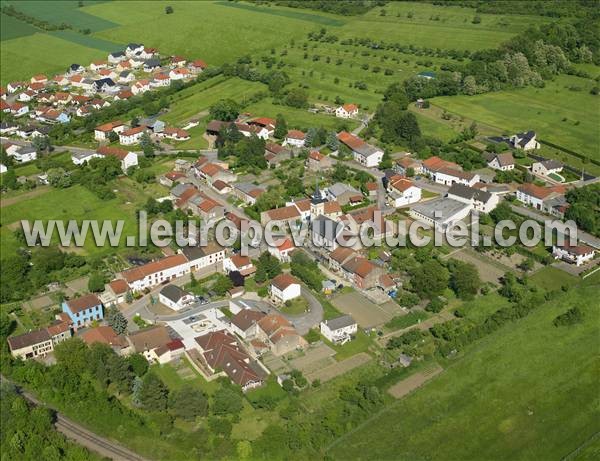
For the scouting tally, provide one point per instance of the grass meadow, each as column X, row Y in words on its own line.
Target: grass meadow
column 505, row 395
column 76, row 203
column 561, row 113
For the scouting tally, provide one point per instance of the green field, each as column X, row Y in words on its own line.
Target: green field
column 196, row 100
column 76, row 203
column 45, row 53
column 13, row 28
column 527, row 391
column 567, row 118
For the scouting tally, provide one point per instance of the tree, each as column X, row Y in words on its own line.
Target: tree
column 332, row 141
column 138, row 364
column 430, row 279
column 267, row 267
column 226, row 401
column 222, row 284
column 117, row 320
column 296, row 97
column 146, row 145
column 113, row 137
column 168, row 10
column 188, row 402
column 225, row 109
column 464, row 279
column 96, row 283
column 154, row 394
column 386, row 161
column 281, row 127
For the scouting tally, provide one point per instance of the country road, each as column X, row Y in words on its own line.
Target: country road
column 83, row 436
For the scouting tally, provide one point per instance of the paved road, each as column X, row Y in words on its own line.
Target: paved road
column 83, row 436
column 533, row 214
column 303, row 323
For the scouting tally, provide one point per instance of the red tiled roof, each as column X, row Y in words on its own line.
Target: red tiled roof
column 282, row 281
column 350, row 107
column 109, row 126
column 352, row 141
column 84, row 302
column 119, row 286
column 283, row 213
column 132, row 131
column 295, row 134
column 138, row 273
column 112, row 151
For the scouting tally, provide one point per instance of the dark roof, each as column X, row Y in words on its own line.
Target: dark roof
column 28, row 339
column 325, row 227
column 132, row 46
column 551, row 164
column 74, row 66
column 340, row 322
column 469, row 193
column 173, row 292
column 245, row 318
column 117, row 54
column 152, row 63
column 104, row 81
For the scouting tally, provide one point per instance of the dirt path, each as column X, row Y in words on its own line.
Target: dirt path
column 406, row 386
column 27, row 195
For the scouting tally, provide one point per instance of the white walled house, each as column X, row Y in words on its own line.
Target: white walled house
column 294, row 138
column 502, row 162
column 479, row 200
column 127, row 159
column 347, row 111
column 546, row 167
column 175, row 298
column 131, row 136
column 284, row 287
column 339, row 330
column 574, row 254
column 449, row 176
column 368, row 155
column 525, row 141
column 80, row 158
column 403, row 192
column 533, row 195
column 239, row 263
column 200, row 257
column 156, row 272
column 101, row 132
column 25, row 154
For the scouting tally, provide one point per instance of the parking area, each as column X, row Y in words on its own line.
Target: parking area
column 366, row 313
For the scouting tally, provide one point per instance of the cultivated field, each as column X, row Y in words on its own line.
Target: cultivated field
column 507, row 392
column 366, row 313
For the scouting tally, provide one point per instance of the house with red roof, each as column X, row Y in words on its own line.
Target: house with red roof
column 282, row 249
column 101, row 132
column 575, row 254
column 284, row 287
column 197, row 66
column 294, row 138
column 316, row 161
column 128, row 159
column 239, row 263
column 132, row 135
column 347, row 111
column 402, row 191
column 156, row 272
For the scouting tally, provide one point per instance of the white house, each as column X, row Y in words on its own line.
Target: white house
column 239, row 263
column 127, row 158
column 546, row 168
column 141, row 86
column 3, row 168
column 79, row 158
column 101, row 132
column 364, row 153
column 525, row 141
column 133, row 49
column 533, row 195
column 206, row 256
column 440, row 213
column 502, row 162
column 479, row 200
column 347, row 111
column 132, row 135
column 25, row 154
column 340, row 329
column 449, row 176
column 156, row 272
column 294, row 138
column 161, row 80
column 574, row 254
column 403, row 192
column 116, row 57
column 175, row 298
column 284, row 287
column 283, row 249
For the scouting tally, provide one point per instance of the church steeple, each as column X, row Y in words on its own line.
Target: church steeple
column 317, row 197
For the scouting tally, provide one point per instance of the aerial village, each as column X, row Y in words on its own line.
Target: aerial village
column 243, row 332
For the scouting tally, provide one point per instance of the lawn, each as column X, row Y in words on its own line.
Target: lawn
column 296, row 306
column 361, row 343
column 195, row 101
column 168, row 374
column 551, row 278
column 527, row 391
column 298, row 118
column 567, row 118
column 76, row 203
column 230, row 32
